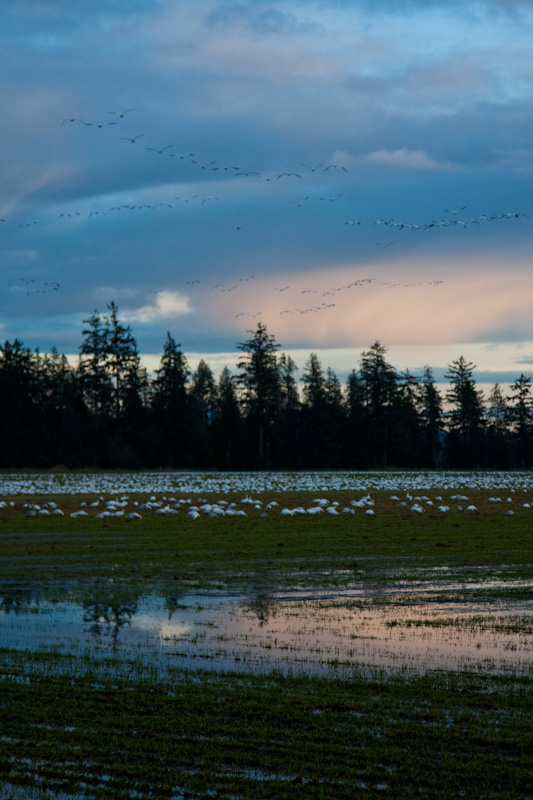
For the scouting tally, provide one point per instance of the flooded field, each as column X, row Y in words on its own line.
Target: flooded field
column 239, row 636
column 416, row 628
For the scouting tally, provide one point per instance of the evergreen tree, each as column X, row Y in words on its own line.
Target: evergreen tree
column 94, row 350
column 171, row 413
column 203, row 390
column 21, row 420
column 522, row 417
column 290, row 413
column 65, row 411
column 203, row 394
column 431, row 419
column 498, row 418
column 228, row 427
column 464, row 442
column 379, row 380
column 356, row 443
column 261, row 389
column 122, row 361
column 315, row 412
column 406, row 443
column 336, row 422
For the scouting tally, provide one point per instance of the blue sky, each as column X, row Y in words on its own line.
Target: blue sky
column 377, row 163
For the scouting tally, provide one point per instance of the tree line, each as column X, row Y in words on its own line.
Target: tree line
column 107, row 412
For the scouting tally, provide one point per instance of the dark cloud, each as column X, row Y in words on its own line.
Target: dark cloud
column 262, row 18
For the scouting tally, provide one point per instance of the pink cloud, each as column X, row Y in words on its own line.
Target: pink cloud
column 409, row 159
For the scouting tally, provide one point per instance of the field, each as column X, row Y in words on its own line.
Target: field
column 329, row 635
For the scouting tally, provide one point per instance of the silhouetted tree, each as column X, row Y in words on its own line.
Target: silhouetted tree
column 431, row 419
column 379, row 380
column 356, row 443
column 290, row 413
column 65, row 411
column 122, row 361
column 171, row 412
column 314, row 412
column 228, row 431
column 466, row 415
column 406, row 445
column 497, row 426
column 21, row 421
column 261, row 390
column 92, row 368
column 203, row 395
column 521, row 414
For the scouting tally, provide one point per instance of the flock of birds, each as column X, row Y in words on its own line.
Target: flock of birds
column 325, row 297
column 323, row 305
column 31, row 286
column 212, row 165
column 195, row 508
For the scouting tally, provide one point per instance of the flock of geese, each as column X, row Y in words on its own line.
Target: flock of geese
column 455, row 216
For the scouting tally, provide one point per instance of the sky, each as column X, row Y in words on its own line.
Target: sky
column 342, row 171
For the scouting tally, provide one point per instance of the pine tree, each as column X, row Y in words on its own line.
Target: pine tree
column 407, row 440
column 380, row 382
column 261, row 389
column 356, row 444
column 290, row 415
column 92, row 368
column 466, row 416
column 171, row 413
column 21, row 420
column 498, row 422
column 122, row 361
column 522, row 416
column 228, row 425
column 315, row 412
column 203, row 396
column 431, row 419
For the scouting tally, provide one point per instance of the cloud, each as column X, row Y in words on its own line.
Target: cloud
column 265, row 20
column 397, row 304
column 166, row 305
column 404, row 158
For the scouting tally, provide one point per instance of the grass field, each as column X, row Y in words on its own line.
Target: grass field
column 108, row 723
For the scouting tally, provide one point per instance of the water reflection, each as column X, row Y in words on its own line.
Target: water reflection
column 303, row 631
column 16, row 598
column 105, row 619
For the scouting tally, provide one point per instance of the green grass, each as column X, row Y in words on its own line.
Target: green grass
column 242, row 550
column 66, row 725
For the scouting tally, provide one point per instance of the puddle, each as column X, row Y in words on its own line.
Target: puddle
column 321, row 632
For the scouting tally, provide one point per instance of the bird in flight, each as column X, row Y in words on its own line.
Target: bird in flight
column 127, row 138
column 156, row 150
column 299, row 202
column 456, row 211
column 121, row 114
column 97, row 124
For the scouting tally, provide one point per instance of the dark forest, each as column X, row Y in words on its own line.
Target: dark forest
column 107, row 412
